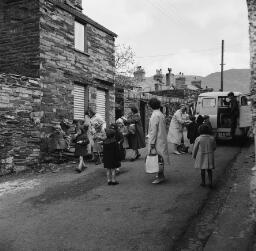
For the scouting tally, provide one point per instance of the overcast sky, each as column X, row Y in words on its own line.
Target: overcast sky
column 182, row 34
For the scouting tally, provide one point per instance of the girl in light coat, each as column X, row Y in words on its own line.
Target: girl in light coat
column 157, row 138
column 203, row 153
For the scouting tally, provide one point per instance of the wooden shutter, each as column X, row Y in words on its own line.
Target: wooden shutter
column 101, row 103
column 79, row 101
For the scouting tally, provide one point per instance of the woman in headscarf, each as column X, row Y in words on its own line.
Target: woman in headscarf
column 176, row 128
column 136, row 137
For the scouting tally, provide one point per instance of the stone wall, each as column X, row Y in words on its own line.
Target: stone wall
column 20, row 116
column 19, row 39
column 62, row 65
column 252, row 35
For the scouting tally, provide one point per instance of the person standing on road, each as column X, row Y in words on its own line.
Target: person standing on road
column 157, row 138
column 81, row 142
column 176, row 128
column 136, row 139
column 111, row 159
column 203, row 153
column 234, row 112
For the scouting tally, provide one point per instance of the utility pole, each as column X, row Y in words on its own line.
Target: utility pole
column 222, row 64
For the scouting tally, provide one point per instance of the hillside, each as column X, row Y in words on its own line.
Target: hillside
column 234, row 79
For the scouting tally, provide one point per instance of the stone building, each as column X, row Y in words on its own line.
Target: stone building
column 70, row 56
column 252, row 35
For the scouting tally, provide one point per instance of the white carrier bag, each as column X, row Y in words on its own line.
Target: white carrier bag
column 152, row 165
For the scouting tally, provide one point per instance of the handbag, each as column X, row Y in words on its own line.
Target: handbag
column 152, row 165
column 131, row 129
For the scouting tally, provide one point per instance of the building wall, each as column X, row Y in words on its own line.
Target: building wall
column 20, row 115
column 252, row 34
column 19, row 40
column 62, row 65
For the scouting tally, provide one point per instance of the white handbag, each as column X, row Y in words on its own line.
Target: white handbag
column 152, row 165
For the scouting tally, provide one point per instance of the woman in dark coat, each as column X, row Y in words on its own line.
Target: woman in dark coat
column 81, row 141
column 136, row 139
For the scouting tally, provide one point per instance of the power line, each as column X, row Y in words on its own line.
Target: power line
column 183, row 53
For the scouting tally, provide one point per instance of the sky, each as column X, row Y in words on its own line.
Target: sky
column 184, row 35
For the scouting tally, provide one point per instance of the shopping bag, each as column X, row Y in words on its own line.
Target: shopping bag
column 152, row 165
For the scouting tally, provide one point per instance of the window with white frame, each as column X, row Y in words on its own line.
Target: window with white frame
column 80, row 37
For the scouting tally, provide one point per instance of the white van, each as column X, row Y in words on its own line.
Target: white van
column 212, row 104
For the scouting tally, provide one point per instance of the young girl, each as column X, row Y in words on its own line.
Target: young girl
column 98, row 137
column 203, row 153
column 81, row 142
column 111, row 156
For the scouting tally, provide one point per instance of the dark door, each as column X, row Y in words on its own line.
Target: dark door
column 143, row 114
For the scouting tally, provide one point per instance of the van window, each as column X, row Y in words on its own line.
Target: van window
column 209, row 102
column 244, row 101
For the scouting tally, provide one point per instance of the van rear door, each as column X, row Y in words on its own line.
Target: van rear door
column 245, row 116
column 209, row 107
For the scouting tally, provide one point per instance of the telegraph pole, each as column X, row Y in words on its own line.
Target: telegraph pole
column 222, row 64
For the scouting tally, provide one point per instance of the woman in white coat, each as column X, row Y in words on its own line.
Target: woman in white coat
column 176, row 128
column 157, row 138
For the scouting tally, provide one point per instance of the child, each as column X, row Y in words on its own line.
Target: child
column 98, row 137
column 203, row 153
column 81, row 142
column 110, row 156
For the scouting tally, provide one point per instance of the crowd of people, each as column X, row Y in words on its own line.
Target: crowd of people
column 98, row 143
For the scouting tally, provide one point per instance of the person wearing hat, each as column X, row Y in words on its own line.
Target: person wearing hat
column 175, row 132
column 234, row 111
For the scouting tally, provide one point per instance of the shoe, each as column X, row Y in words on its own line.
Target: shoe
column 109, row 183
column 98, row 161
column 78, row 170
column 158, row 180
column 115, row 183
column 176, row 152
column 138, row 155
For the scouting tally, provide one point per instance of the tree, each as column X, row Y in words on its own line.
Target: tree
column 124, row 60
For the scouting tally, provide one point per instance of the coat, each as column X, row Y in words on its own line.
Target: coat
column 81, row 148
column 175, row 132
column 203, row 152
column 111, row 154
column 157, row 135
column 137, row 140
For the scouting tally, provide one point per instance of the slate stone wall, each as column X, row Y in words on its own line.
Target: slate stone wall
column 20, row 116
column 62, row 65
column 252, row 34
column 19, row 37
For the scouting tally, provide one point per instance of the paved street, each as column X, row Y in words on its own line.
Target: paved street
column 69, row 211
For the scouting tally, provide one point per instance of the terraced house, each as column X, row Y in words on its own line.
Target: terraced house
column 55, row 62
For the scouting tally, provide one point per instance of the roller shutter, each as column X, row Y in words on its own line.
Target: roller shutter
column 101, row 103
column 79, row 101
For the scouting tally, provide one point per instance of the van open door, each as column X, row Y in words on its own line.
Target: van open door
column 245, row 116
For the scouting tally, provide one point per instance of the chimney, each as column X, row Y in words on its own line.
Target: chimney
column 197, row 83
column 139, row 74
column 180, row 81
column 168, row 77
column 158, row 76
column 76, row 4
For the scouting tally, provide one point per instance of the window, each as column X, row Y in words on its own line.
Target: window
column 209, row 102
column 80, row 37
column 80, row 101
